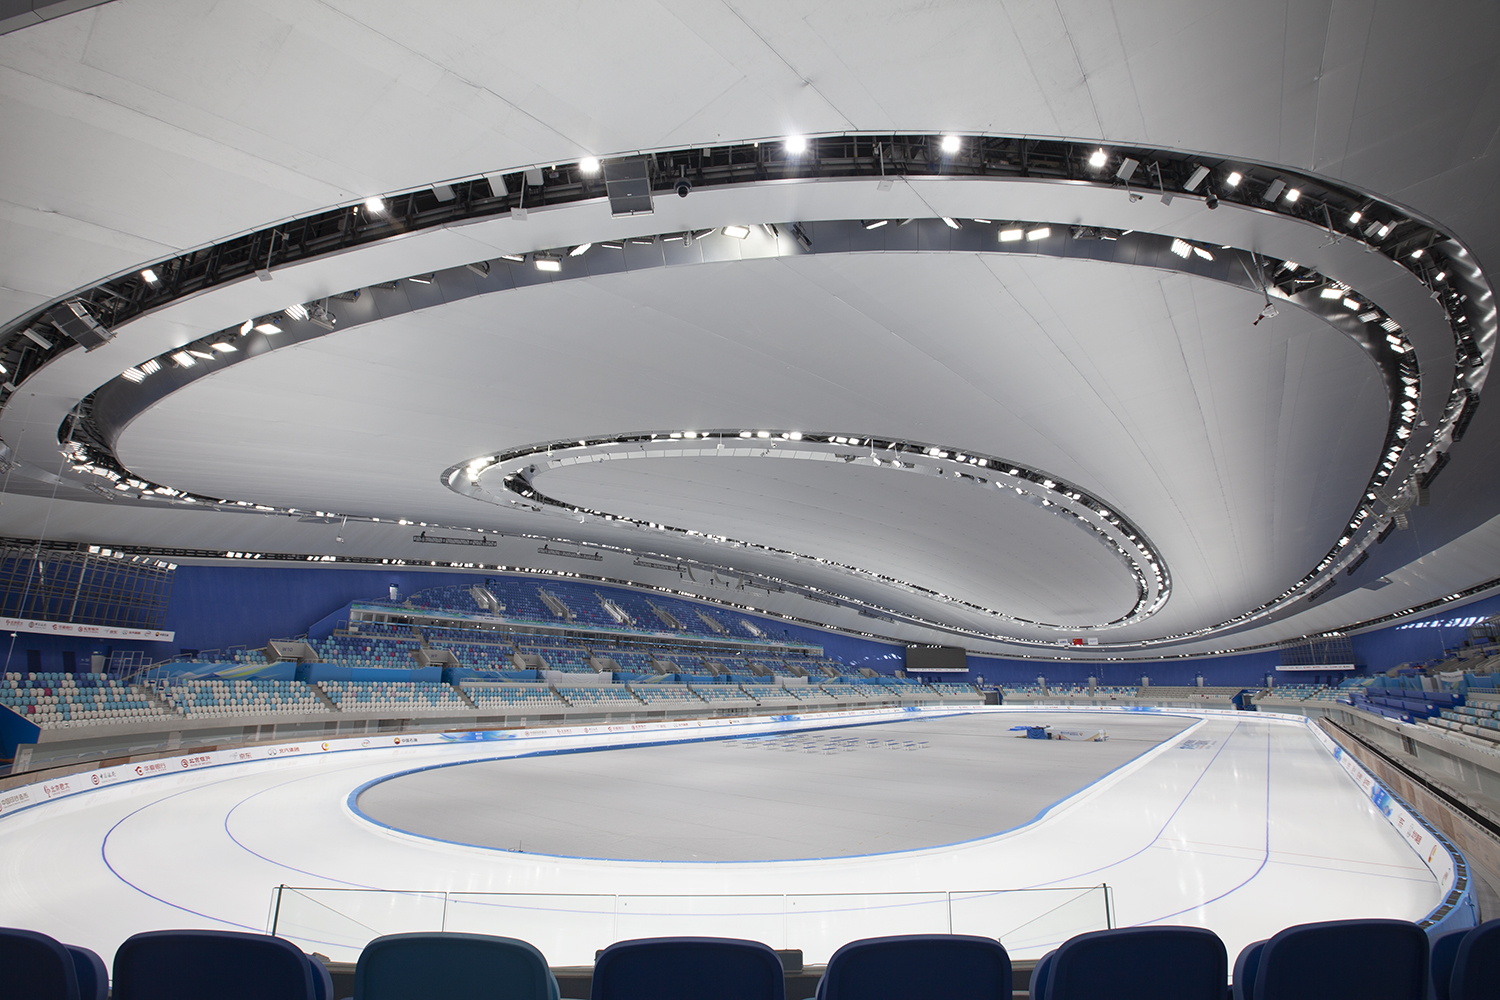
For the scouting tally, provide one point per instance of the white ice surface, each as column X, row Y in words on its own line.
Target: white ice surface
column 1256, row 831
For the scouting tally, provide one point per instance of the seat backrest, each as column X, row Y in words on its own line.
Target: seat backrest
column 1440, row 961
column 1185, row 963
column 92, row 975
column 442, row 966
column 1476, row 965
column 322, row 980
column 688, row 968
column 36, row 966
column 918, row 967
column 225, row 965
column 1336, row 959
column 1039, row 974
column 1245, row 967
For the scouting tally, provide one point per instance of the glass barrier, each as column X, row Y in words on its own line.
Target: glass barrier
column 570, row 929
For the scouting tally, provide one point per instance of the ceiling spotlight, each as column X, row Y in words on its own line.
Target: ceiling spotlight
column 480, row 267
column 951, row 143
column 296, row 312
column 1182, row 248
column 580, row 250
column 1127, row 169
column 1234, row 178
column 1203, row 253
column 589, row 165
column 796, row 144
column 150, row 276
column 1098, row 159
column 1038, row 234
column 1331, row 293
column 150, row 367
column 1292, row 195
column 1440, row 276
column 1383, row 232
column 951, row 223
column 1354, row 218
column 547, row 263
column 1416, row 254
column 738, row 232
column 1351, row 304
column 268, row 328
column 1010, row 235
column 1199, row 172
column 519, row 258
column 422, row 279
column 876, row 223
column 224, row 348
column 202, row 354
column 246, row 327
column 184, row 359
column 374, row 205
column 133, row 375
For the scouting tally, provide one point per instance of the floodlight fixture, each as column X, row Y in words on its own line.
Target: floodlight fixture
column 1332, row 293
column 796, row 145
column 738, row 232
column 133, row 375
column 951, row 223
column 518, row 258
column 268, row 328
column 374, row 205
column 150, row 276
column 1182, row 248
column 1038, row 234
column 951, row 143
column 876, row 223
column 1382, row 232
column 1234, row 178
column 550, row 264
column 1351, row 304
column 184, row 359
column 150, row 367
column 1292, row 195
column 1098, row 159
column 422, row 279
column 296, row 312
column 580, row 250
column 480, row 267
column 1203, row 253
column 37, row 338
column 224, row 348
column 1354, row 217
column 1439, row 276
column 589, row 165
column 1127, row 169
column 1011, row 235
column 1196, row 178
column 246, row 327
column 1416, row 254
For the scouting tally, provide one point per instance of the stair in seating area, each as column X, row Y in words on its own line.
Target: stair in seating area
column 555, row 606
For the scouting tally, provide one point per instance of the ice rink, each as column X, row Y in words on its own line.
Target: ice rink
column 1240, row 823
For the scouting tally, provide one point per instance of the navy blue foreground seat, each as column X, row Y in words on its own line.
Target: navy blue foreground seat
column 1440, row 961
column 1339, row 959
column 36, row 966
column 1039, row 975
column 448, row 966
column 91, row 973
column 1140, row 963
column 224, row 965
column 918, row 967
column 688, row 968
column 1244, row 970
column 1476, row 965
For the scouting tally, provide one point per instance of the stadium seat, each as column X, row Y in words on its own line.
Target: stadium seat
column 1440, row 961
column 1184, row 963
column 1476, row 965
column 918, row 967
column 688, row 968
column 322, row 980
column 442, row 966
column 1244, row 970
column 1040, row 974
column 225, row 965
column 36, row 966
column 92, row 975
column 1337, row 959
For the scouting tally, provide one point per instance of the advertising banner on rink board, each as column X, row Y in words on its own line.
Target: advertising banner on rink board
column 85, row 631
column 46, row 790
column 1414, row 831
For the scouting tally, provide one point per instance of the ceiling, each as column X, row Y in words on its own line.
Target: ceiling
column 140, row 129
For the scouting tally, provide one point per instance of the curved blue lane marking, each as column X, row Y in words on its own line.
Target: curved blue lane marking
column 353, row 802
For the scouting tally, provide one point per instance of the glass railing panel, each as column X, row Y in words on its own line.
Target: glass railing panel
column 758, row 918
column 820, row 924
column 1031, row 922
column 567, row 929
column 340, row 922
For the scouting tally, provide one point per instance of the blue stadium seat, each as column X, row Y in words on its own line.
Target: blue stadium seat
column 322, row 980
column 1244, row 970
column 1184, row 963
column 36, row 966
column 688, row 968
column 1440, row 961
column 1476, row 966
column 444, row 966
column 918, row 967
column 92, row 975
column 226, row 965
column 1338, row 959
column 1040, row 974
